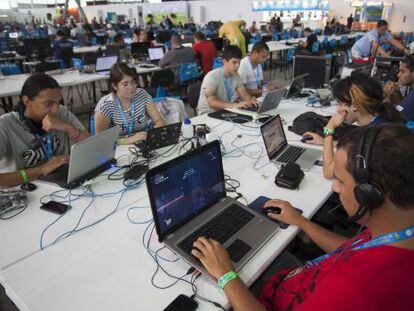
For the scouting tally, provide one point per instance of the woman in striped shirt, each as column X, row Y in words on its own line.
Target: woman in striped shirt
column 127, row 107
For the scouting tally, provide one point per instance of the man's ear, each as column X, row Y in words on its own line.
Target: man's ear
column 25, row 100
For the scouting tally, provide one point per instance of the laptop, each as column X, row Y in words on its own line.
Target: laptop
column 278, row 149
column 104, row 64
column 296, row 87
column 188, row 200
column 155, row 54
column 88, row 158
column 271, row 101
column 159, row 137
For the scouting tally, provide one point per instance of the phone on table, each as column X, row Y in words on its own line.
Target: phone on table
column 55, row 207
column 182, row 303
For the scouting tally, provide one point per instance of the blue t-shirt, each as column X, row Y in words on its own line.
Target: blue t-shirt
column 407, row 106
column 59, row 46
column 363, row 46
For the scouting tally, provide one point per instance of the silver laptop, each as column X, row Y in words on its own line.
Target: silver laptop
column 271, row 101
column 278, row 149
column 188, row 200
column 296, row 87
column 88, row 158
column 104, row 64
column 155, row 53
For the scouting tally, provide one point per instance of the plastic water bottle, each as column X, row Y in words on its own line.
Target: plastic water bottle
column 187, row 128
column 265, row 89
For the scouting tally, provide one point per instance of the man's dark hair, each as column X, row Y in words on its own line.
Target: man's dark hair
column 307, row 29
column 258, row 47
column 409, row 62
column 382, row 23
column 391, row 162
column 231, row 51
column 37, row 83
column 199, row 35
column 61, row 33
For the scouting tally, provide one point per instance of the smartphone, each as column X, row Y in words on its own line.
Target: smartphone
column 182, row 303
column 55, row 207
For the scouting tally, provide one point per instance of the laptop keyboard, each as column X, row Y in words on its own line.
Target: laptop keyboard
column 220, row 228
column 252, row 108
column 291, row 154
column 61, row 171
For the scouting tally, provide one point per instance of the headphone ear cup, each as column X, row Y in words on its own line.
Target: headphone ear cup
column 369, row 196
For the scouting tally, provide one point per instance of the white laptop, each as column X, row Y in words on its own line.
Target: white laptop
column 155, row 53
column 104, row 64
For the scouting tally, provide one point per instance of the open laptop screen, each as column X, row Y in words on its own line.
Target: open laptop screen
column 273, row 136
column 298, row 83
column 183, row 187
column 105, row 63
column 155, row 53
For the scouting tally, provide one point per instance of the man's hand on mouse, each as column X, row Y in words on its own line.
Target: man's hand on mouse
column 288, row 214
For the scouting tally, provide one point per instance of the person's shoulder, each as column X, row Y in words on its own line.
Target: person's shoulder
column 142, row 93
column 8, row 119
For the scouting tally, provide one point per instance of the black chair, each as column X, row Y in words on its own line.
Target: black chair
column 163, row 78
column 193, row 93
column 112, row 50
column 66, row 55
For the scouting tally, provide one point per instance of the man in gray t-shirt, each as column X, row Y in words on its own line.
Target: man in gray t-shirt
column 34, row 139
column 221, row 87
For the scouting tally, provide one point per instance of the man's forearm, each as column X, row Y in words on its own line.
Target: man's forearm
column 240, row 297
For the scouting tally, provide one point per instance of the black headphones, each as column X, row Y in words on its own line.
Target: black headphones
column 29, row 124
column 368, row 194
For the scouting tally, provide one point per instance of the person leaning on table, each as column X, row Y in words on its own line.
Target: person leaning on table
column 33, row 138
column 371, row 271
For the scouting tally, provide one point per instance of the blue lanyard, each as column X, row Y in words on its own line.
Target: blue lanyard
column 129, row 126
column 229, row 88
column 256, row 74
column 385, row 239
column 47, row 148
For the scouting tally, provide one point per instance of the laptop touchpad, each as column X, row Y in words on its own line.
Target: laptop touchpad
column 237, row 250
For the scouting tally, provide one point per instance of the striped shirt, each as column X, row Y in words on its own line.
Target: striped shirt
column 109, row 108
column 178, row 56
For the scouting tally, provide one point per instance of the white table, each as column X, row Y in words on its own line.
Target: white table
column 106, row 267
column 88, row 49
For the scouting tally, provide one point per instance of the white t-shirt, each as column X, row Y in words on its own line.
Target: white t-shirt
column 250, row 77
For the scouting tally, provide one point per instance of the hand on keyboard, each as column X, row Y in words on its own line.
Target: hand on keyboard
column 213, row 256
column 54, row 163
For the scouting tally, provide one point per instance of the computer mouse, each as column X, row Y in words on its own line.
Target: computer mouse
column 306, row 138
column 272, row 209
column 28, row 187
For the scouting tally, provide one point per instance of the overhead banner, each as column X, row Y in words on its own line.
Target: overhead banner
column 290, row 5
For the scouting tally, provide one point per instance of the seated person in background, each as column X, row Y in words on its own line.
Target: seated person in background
column 250, row 70
column 253, row 29
column 177, row 55
column 205, row 51
column 310, row 40
column 367, row 45
column 350, row 265
column 360, row 100
column 405, row 79
column 144, row 37
column 222, row 86
column 62, row 48
column 110, row 31
column 127, row 107
column 135, row 36
column 124, row 53
column 33, row 139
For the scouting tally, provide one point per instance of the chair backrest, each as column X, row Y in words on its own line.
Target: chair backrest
column 290, row 54
column 315, row 47
column 163, row 78
column 193, row 93
column 77, row 63
column 332, row 43
column 10, row 69
column 188, row 71
column 275, row 36
column 66, row 55
column 217, row 62
column 344, row 40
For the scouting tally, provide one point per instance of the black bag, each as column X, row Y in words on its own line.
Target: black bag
column 289, row 176
column 313, row 122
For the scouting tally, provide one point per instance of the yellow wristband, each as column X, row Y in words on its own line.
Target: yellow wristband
column 122, row 140
column 24, row 176
column 234, row 106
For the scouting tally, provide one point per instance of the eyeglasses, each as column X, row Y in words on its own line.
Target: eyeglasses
column 132, row 83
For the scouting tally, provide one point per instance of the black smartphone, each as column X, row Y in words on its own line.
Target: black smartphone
column 55, row 207
column 182, row 303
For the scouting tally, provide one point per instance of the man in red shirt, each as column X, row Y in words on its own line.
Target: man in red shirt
column 205, row 51
column 374, row 168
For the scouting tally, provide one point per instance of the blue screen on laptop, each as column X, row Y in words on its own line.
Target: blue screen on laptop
column 183, row 189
